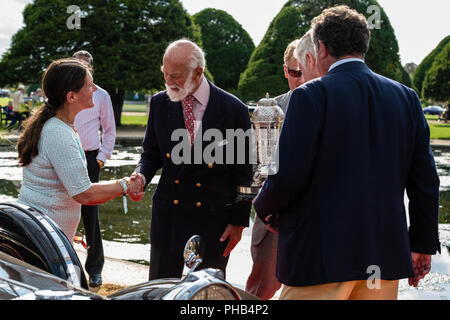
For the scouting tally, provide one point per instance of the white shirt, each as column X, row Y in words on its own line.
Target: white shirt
column 88, row 122
column 339, row 62
column 17, row 100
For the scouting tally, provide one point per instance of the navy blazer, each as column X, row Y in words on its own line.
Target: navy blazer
column 351, row 142
column 194, row 198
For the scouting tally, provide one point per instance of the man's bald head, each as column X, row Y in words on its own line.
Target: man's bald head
column 183, row 66
column 187, row 52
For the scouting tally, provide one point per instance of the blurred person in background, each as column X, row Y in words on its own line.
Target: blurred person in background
column 97, row 150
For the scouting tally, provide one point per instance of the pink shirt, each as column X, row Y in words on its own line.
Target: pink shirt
column 88, row 122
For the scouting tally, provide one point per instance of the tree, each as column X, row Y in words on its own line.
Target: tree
column 227, row 46
column 264, row 72
column 436, row 84
column 425, row 65
column 126, row 37
column 292, row 22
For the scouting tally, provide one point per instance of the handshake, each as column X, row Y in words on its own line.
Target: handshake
column 135, row 186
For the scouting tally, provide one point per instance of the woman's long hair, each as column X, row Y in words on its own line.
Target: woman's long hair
column 61, row 76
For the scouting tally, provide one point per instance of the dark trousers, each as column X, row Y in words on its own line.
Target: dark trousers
column 16, row 117
column 167, row 264
column 89, row 214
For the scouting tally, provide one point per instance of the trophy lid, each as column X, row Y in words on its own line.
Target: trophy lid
column 267, row 111
column 267, row 101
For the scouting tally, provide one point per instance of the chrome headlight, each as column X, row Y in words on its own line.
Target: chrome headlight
column 215, row 292
column 202, row 285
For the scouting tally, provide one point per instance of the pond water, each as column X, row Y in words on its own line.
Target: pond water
column 126, row 236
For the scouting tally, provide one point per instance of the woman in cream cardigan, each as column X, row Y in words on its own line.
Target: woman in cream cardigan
column 55, row 178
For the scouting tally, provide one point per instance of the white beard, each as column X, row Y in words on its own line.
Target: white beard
column 182, row 93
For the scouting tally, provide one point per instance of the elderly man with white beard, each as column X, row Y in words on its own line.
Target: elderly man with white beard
column 192, row 198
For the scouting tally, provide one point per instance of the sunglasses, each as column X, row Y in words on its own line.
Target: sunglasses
column 294, row 73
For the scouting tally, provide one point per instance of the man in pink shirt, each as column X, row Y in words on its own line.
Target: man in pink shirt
column 88, row 123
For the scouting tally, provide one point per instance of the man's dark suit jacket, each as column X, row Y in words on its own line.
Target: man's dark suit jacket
column 352, row 141
column 194, row 198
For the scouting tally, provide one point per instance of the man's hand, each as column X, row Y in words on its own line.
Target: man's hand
column 136, row 188
column 421, row 265
column 234, row 234
column 272, row 223
column 271, row 228
column 101, row 164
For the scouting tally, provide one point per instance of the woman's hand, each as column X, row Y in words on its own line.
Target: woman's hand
column 136, row 189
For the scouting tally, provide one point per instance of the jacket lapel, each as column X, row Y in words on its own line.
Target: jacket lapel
column 212, row 118
column 175, row 114
column 175, row 121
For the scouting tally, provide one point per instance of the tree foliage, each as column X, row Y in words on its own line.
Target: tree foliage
column 436, row 84
column 264, row 72
column 425, row 65
column 227, row 45
column 126, row 37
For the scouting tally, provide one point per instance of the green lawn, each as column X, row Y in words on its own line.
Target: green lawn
column 134, row 121
column 134, row 108
column 439, row 130
column 431, row 117
column 4, row 101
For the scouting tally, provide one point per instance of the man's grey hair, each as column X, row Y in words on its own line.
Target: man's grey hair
column 197, row 58
column 304, row 46
column 84, row 54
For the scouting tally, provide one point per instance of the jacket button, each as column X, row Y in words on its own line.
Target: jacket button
column 168, row 155
column 177, row 181
column 176, row 202
column 210, row 165
column 198, row 185
column 199, row 204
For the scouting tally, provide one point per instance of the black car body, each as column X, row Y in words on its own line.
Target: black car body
column 22, row 281
column 38, row 262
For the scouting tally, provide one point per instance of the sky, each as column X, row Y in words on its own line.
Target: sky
column 419, row 24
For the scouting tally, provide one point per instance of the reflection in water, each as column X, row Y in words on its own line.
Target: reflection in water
column 442, row 158
column 127, row 235
column 134, row 227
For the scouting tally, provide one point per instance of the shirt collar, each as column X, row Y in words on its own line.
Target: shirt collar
column 339, row 62
column 202, row 93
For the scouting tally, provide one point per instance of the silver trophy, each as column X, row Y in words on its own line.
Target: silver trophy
column 267, row 119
